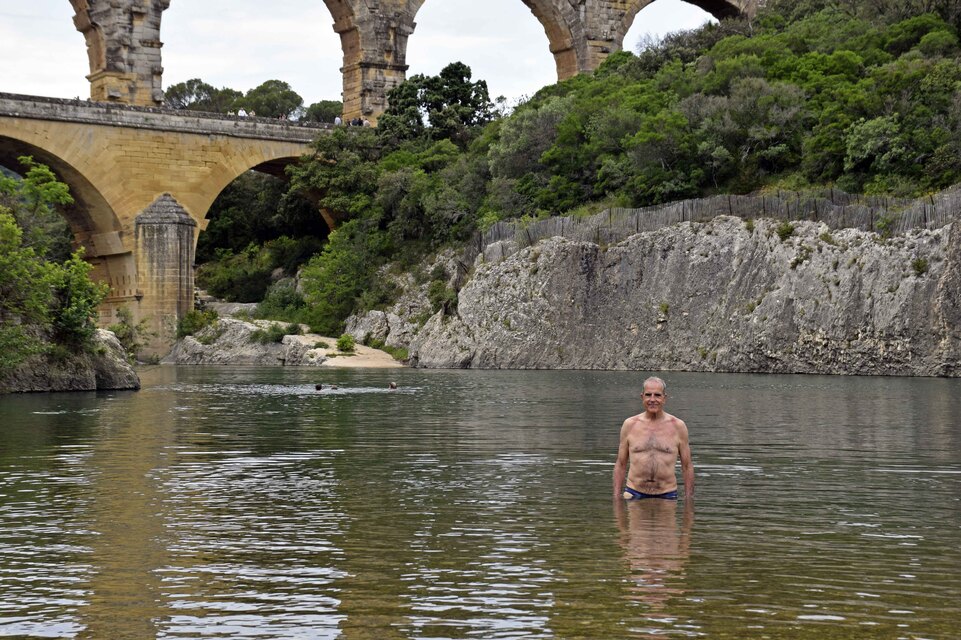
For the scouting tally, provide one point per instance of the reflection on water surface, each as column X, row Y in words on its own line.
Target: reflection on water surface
column 243, row 503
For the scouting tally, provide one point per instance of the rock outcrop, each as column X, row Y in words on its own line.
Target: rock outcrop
column 231, row 341
column 105, row 367
column 726, row 296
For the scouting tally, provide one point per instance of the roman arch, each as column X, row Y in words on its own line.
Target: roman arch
column 143, row 180
column 124, row 45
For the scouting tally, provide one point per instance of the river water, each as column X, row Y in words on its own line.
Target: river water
column 242, row 503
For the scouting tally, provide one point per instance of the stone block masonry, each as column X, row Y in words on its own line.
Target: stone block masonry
column 119, row 161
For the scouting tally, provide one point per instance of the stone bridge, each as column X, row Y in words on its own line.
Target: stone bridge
column 143, row 180
column 123, row 42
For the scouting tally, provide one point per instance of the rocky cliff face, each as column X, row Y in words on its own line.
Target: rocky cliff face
column 725, row 295
column 106, row 368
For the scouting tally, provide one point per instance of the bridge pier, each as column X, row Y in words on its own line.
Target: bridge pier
column 373, row 37
column 164, row 246
column 123, row 47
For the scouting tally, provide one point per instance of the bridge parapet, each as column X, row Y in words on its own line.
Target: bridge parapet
column 113, row 114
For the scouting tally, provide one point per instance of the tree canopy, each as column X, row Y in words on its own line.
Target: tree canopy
column 43, row 302
column 273, row 99
column 197, row 95
column 445, row 106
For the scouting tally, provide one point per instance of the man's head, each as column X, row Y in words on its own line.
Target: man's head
column 657, row 381
column 654, row 394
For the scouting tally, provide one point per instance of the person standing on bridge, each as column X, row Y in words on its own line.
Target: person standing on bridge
column 650, row 443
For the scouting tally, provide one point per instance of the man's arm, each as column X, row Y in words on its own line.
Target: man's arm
column 620, row 465
column 684, row 452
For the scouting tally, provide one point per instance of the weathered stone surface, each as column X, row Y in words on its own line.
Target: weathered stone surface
column 105, row 368
column 713, row 297
column 123, row 47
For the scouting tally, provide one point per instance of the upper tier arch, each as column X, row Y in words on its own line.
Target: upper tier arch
column 124, row 46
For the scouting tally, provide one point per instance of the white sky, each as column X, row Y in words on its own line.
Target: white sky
column 237, row 44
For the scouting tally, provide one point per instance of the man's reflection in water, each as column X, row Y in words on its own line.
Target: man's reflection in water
column 655, row 548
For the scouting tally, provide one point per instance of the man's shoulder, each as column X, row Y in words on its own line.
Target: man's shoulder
column 631, row 423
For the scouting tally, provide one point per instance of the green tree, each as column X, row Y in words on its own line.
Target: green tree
column 41, row 301
column 33, row 201
column 254, row 209
column 273, row 99
column 324, row 111
column 334, row 280
column 25, row 295
column 76, row 298
column 445, row 106
column 197, row 95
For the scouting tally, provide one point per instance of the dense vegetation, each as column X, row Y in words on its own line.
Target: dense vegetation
column 864, row 95
column 271, row 99
column 47, row 300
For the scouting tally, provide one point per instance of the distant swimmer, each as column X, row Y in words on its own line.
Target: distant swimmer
column 651, row 442
column 392, row 386
column 318, row 387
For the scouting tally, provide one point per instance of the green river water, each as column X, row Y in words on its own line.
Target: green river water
column 242, row 503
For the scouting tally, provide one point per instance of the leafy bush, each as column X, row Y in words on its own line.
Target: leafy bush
column 335, row 280
column 45, row 306
column 442, row 297
column 195, row 320
column 76, row 298
column 130, row 335
column 346, row 343
column 784, row 230
column 920, row 266
column 273, row 333
column 282, row 302
column 397, row 353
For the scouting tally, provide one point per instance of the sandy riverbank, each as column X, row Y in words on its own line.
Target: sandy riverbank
column 362, row 357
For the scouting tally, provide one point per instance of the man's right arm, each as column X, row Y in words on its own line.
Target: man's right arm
column 620, row 465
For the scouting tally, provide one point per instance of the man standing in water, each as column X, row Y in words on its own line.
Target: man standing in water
column 651, row 443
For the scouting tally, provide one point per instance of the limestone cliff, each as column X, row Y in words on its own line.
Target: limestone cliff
column 725, row 295
column 106, row 367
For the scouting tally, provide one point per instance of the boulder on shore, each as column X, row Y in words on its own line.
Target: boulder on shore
column 104, row 367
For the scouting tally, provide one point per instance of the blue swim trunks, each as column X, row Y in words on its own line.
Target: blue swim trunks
column 637, row 495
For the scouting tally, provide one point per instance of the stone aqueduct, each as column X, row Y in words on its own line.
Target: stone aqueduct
column 144, row 177
column 143, row 180
column 124, row 43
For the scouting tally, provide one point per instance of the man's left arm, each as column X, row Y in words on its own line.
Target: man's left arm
column 687, row 465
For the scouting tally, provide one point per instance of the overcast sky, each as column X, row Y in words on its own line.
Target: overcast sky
column 237, row 44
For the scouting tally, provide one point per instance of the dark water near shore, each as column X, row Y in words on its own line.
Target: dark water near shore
column 240, row 503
